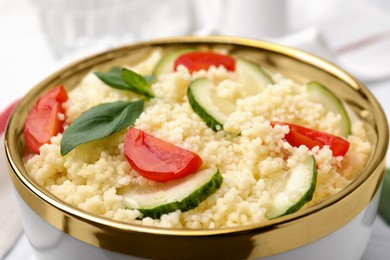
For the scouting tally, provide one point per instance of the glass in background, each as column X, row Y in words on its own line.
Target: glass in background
column 255, row 18
column 87, row 26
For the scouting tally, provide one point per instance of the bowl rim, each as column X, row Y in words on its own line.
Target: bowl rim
column 22, row 181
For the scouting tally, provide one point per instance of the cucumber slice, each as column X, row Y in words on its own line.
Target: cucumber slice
column 253, row 77
column 165, row 65
column 297, row 191
column 331, row 102
column 183, row 194
column 203, row 98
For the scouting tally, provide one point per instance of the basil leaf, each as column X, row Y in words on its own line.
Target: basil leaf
column 99, row 122
column 125, row 79
column 112, row 78
column 136, row 82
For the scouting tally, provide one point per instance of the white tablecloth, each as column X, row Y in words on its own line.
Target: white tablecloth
column 25, row 60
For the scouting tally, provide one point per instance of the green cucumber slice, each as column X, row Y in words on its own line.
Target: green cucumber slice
column 183, row 194
column 203, row 98
column 253, row 77
column 165, row 65
column 331, row 102
column 297, row 191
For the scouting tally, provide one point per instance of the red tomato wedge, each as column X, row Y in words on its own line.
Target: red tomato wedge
column 156, row 159
column 300, row 135
column 42, row 120
column 203, row 60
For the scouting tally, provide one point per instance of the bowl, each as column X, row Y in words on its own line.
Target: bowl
column 337, row 228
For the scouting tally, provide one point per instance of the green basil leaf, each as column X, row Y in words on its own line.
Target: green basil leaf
column 125, row 79
column 112, row 78
column 99, row 122
column 136, row 82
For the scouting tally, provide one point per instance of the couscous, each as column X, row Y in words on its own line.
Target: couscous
column 237, row 127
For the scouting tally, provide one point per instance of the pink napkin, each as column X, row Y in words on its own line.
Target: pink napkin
column 4, row 115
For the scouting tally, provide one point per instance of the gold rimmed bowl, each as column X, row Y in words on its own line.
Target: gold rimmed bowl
column 337, row 228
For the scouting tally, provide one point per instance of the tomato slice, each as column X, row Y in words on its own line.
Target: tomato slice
column 300, row 135
column 42, row 120
column 203, row 60
column 156, row 159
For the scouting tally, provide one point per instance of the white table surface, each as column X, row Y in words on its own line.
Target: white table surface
column 25, row 60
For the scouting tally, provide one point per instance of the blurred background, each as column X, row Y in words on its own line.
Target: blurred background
column 37, row 37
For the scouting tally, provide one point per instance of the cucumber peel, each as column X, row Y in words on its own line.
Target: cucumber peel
column 183, row 194
column 203, row 98
column 319, row 93
column 298, row 189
